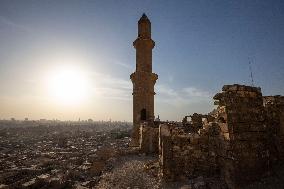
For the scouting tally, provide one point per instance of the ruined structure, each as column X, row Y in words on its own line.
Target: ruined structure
column 239, row 141
column 240, row 144
column 243, row 134
column 143, row 79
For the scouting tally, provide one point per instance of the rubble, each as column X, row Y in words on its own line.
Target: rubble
column 129, row 172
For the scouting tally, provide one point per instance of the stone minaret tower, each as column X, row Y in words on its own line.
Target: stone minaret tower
column 143, row 79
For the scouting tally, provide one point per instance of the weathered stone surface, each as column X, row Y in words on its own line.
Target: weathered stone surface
column 242, row 117
column 274, row 109
column 143, row 79
column 184, row 154
column 149, row 140
column 239, row 142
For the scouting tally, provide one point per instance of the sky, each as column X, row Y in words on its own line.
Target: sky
column 200, row 46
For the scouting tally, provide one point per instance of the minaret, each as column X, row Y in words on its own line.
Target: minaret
column 143, row 79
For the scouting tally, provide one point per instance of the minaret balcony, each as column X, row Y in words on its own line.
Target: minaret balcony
column 144, row 41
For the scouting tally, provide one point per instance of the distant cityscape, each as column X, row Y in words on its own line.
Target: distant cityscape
column 58, row 154
column 50, row 121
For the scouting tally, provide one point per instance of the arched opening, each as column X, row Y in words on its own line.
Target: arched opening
column 222, row 120
column 143, row 114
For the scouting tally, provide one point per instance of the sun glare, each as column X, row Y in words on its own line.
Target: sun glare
column 68, row 86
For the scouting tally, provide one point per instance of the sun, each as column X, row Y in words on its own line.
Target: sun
column 67, row 86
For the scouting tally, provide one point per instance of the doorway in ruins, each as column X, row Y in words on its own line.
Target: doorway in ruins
column 143, row 114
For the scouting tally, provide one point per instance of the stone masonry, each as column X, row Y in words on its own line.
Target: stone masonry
column 143, row 79
column 274, row 107
column 239, row 141
column 243, row 140
column 149, row 140
column 184, row 155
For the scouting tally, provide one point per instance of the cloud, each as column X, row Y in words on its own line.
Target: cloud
column 170, row 77
column 183, row 96
column 173, row 104
column 110, row 87
column 124, row 65
column 167, row 91
column 194, row 92
column 13, row 25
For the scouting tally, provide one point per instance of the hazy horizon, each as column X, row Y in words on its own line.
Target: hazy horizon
column 72, row 59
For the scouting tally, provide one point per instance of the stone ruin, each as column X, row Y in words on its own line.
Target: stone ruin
column 239, row 141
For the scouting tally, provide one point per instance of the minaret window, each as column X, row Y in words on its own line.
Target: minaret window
column 143, row 114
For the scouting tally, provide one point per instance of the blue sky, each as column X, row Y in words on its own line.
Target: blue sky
column 200, row 46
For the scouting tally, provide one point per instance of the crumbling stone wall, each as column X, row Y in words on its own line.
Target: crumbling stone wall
column 196, row 120
column 149, row 138
column 243, row 145
column 194, row 124
column 238, row 141
column 274, row 108
column 184, row 155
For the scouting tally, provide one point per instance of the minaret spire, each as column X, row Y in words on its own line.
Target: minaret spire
column 143, row 79
column 144, row 27
column 144, row 16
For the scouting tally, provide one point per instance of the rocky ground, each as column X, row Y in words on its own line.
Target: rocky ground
column 134, row 170
column 130, row 172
